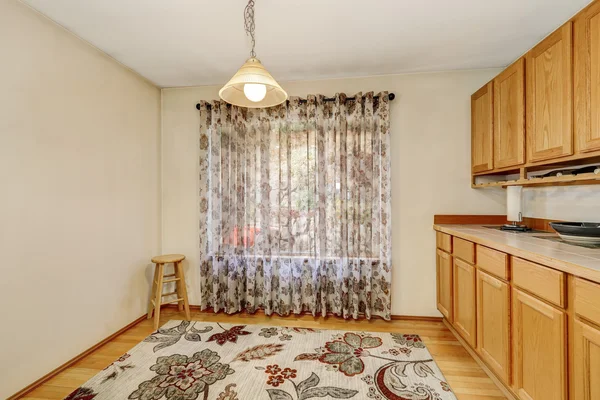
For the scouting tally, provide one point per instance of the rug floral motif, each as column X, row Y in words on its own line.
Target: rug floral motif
column 186, row 360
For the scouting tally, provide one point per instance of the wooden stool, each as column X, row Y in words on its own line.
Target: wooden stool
column 159, row 280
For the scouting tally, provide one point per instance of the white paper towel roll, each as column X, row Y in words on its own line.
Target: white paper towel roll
column 514, row 203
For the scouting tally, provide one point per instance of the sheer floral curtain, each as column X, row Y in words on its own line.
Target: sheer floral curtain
column 295, row 207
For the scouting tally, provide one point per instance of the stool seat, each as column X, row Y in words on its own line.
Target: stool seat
column 168, row 258
column 177, row 277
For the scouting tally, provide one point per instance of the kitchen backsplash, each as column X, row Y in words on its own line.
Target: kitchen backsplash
column 566, row 203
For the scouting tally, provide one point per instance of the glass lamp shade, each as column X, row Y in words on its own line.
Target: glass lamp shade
column 252, row 72
column 255, row 91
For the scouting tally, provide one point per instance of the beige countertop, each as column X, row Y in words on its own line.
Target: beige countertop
column 579, row 261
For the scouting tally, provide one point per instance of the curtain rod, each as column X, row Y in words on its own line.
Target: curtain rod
column 391, row 96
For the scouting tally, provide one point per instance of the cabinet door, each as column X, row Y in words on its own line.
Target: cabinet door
column 444, row 283
column 586, row 362
column 493, row 324
column 539, row 345
column 587, row 79
column 549, row 98
column 464, row 301
column 482, row 112
column 509, row 116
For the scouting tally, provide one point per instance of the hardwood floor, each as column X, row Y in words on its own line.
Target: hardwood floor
column 464, row 375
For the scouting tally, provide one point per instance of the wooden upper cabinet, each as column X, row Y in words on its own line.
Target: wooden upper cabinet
column 587, row 79
column 539, row 346
column 464, row 301
column 482, row 144
column 549, row 100
column 509, row 116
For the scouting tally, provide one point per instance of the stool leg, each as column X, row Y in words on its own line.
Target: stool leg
column 153, row 292
column 180, row 275
column 158, row 295
column 178, row 286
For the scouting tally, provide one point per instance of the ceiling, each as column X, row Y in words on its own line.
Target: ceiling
column 200, row 42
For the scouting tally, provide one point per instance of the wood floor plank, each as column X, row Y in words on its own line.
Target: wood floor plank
column 463, row 374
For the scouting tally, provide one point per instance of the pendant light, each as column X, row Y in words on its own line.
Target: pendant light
column 252, row 86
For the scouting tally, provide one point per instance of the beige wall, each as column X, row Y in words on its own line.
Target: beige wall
column 80, row 197
column 430, row 125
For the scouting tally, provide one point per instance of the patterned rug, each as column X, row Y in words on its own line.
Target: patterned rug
column 186, row 360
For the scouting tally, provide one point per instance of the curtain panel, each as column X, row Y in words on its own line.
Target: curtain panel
column 295, row 207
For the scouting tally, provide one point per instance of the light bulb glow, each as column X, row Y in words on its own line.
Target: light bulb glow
column 255, row 91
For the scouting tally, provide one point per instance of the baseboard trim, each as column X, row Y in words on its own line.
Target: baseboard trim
column 74, row 360
column 503, row 388
column 210, row 310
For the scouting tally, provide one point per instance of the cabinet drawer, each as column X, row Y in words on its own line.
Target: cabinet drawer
column 444, row 241
column 587, row 300
column 544, row 282
column 493, row 261
column 464, row 250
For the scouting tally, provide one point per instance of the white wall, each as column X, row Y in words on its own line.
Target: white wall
column 430, row 127
column 80, row 195
column 566, row 203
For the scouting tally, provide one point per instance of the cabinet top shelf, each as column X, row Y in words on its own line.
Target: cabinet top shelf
column 580, row 179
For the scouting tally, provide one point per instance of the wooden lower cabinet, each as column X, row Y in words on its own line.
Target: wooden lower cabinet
column 539, row 347
column 511, row 312
column 444, row 283
column 493, row 324
column 464, row 301
column 586, row 361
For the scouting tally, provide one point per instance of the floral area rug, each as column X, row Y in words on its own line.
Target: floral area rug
column 186, row 360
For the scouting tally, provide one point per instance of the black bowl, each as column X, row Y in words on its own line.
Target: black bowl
column 585, row 229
